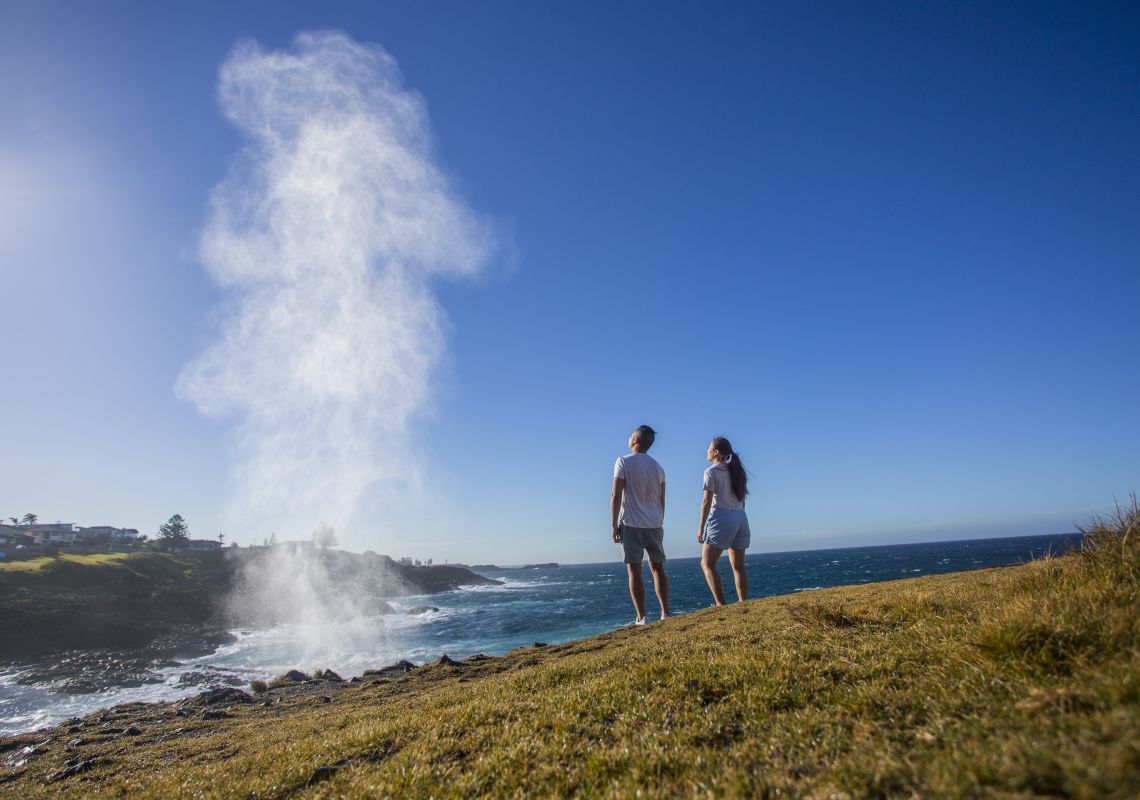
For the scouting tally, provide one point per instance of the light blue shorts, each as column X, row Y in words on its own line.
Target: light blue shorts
column 727, row 529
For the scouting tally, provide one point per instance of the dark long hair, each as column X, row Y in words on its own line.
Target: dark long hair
column 736, row 473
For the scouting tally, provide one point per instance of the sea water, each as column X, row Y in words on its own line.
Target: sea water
column 549, row 605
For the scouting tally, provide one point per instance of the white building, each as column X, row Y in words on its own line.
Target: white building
column 124, row 535
column 57, row 533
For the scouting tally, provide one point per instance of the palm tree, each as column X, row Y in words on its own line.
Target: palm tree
column 30, row 519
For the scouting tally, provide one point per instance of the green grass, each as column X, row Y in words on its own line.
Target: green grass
column 1015, row 682
column 73, row 571
column 40, row 564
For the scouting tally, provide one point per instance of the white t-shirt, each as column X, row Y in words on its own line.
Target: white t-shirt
column 641, row 505
column 719, row 482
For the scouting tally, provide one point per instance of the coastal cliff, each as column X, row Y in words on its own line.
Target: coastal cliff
column 172, row 602
column 1011, row 682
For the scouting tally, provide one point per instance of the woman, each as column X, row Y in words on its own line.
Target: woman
column 724, row 525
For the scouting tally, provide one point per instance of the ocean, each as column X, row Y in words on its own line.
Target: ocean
column 548, row 605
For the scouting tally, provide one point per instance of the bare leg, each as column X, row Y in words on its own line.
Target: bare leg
column 636, row 589
column 739, row 574
column 661, row 586
column 709, row 556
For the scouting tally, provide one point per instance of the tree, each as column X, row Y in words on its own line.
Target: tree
column 174, row 532
column 324, row 536
column 29, row 519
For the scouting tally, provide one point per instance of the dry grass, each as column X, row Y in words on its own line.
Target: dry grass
column 39, row 564
column 1015, row 682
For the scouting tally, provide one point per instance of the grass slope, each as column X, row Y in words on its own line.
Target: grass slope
column 69, row 571
column 1014, row 682
column 109, row 600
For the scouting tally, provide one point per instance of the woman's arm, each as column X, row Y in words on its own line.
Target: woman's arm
column 706, row 504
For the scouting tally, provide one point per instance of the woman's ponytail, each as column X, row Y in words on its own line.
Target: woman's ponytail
column 736, row 474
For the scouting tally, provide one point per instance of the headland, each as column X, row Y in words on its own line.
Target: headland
column 1016, row 681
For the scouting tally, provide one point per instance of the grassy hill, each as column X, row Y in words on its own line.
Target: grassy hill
column 101, row 570
column 106, row 600
column 1014, row 682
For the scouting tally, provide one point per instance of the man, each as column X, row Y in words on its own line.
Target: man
column 637, row 511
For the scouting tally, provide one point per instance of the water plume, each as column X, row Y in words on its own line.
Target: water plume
column 325, row 235
column 326, row 606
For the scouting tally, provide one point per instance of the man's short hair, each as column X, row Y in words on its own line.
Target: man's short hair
column 645, row 435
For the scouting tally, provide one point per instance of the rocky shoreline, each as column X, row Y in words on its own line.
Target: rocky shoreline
column 77, row 745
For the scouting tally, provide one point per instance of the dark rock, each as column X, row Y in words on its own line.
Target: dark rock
column 540, row 644
column 395, row 669
column 324, row 698
column 446, row 660
column 89, row 671
column 295, row 675
column 211, row 677
column 183, row 712
column 132, row 731
column 188, row 641
column 214, row 713
column 441, row 578
column 223, row 695
column 421, row 610
column 355, row 679
column 71, row 767
column 77, row 742
column 329, row 675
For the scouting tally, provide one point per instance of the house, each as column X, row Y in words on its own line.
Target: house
column 110, row 533
column 14, row 540
column 11, row 536
column 56, row 533
column 204, row 544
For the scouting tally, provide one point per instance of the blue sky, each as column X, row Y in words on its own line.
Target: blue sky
column 891, row 251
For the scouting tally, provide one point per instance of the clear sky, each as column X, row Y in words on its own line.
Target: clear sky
column 892, row 251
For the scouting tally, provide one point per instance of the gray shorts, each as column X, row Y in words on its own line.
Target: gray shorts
column 728, row 529
column 638, row 541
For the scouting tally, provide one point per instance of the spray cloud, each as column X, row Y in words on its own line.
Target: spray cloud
column 325, row 235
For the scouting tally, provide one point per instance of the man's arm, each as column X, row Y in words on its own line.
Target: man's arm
column 615, row 506
column 662, row 499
